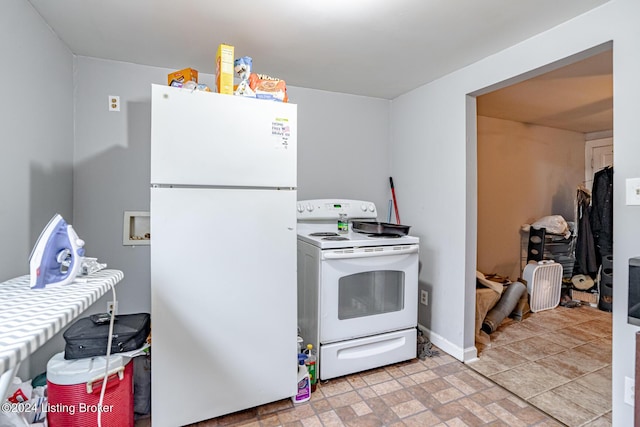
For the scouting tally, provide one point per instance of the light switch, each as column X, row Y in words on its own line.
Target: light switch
column 633, row 191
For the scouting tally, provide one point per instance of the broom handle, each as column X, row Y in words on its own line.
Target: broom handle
column 395, row 203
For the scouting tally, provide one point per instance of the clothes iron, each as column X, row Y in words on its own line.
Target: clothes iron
column 57, row 256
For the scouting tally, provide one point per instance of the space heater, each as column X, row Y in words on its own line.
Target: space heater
column 544, row 284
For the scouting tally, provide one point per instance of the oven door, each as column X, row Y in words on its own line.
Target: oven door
column 367, row 291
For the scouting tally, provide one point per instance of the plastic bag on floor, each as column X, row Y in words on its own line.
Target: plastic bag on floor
column 27, row 405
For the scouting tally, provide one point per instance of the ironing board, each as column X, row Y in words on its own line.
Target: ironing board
column 30, row 317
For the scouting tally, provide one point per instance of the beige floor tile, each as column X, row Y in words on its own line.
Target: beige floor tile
column 571, row 345
column 376, row 377
column 345, row 399
column 296, row 413
column 356, row 381
column 572, row 364
column 335, row 386
column 450, row 410
column 406, row 381
column 392, row 399
column 599, row 382
column 413, row 368
column 535, row 348
column 568, row 365
column 550, row 320
column 321, row 406
column 448, row 395
column 497, row 359
column 465, row 383
column 313, row 421
column 423, row 376
column 529, row 380
column 387, row 387
column 565, row 410
column 424, row 396
column 369, row 420
column 330, row 419
column 269, row 420
column 361, row 408
column 439, row 391
column 346, row 414
column 515, row 332
column 478, row 410
column 408, row 408
column 423, row 419
column 504, row 415
column 584, row 397
column 599, row 422
column 598, row 327
column 599, row 350
column 581, row 332
column 367, row 393
column 564, row 339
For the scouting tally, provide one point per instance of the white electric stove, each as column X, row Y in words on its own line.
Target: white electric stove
column 318, row 225
column 357, row 292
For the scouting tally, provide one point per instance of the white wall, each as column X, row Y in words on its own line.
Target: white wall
column 343, row 147
column 36, row 133
column 434, row 141
column 525, row 172
column 335, row 132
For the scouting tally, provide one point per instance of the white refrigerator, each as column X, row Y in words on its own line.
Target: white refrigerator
column 223, row 254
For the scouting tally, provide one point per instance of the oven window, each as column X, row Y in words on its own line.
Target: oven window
column 370, row 293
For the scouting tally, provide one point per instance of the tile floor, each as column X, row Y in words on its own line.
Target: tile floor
column 557, row 360
column 439, row 391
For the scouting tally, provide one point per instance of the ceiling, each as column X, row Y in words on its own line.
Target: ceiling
column 577, row 97
column 376, row 48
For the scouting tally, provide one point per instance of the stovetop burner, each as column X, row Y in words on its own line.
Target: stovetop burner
column 336, row 237
column 323, row 234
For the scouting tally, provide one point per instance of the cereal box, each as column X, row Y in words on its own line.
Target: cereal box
column 224, row 69
column 178, row 78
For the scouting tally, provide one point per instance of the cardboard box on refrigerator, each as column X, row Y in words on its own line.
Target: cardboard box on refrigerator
column 182, row 76
column 224, row 69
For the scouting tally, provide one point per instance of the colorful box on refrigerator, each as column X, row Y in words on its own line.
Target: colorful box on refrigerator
column 182, row 76
column 224, row 69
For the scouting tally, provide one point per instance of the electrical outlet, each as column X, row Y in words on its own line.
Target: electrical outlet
column 424, row 297
column 629, row 391
column 633, row 191
column 112, row 306
column 114, row 103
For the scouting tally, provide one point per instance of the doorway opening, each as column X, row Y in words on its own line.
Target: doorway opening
column 541, row 141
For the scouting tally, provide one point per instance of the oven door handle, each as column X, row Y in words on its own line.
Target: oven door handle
column 413, row 249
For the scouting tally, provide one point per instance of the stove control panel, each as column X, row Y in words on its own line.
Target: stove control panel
column 332, row 208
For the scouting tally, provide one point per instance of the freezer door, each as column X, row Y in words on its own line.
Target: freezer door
column 223, row 301
column 204, row 138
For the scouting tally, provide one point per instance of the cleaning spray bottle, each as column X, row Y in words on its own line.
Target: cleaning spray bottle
column 310, row 362
column 303, row 392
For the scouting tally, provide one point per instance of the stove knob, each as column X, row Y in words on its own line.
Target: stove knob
column 300, row 208
column 372, row 208
column 310, row 207
column 363, row 207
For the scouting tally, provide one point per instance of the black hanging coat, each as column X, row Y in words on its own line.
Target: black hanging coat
column 602, row 212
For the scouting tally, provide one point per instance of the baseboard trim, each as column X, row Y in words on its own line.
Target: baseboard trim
column 462, row 354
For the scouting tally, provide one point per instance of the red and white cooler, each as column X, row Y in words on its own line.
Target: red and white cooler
column 74, row 386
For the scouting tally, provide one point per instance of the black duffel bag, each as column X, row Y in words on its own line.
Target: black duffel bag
column 88, row 337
